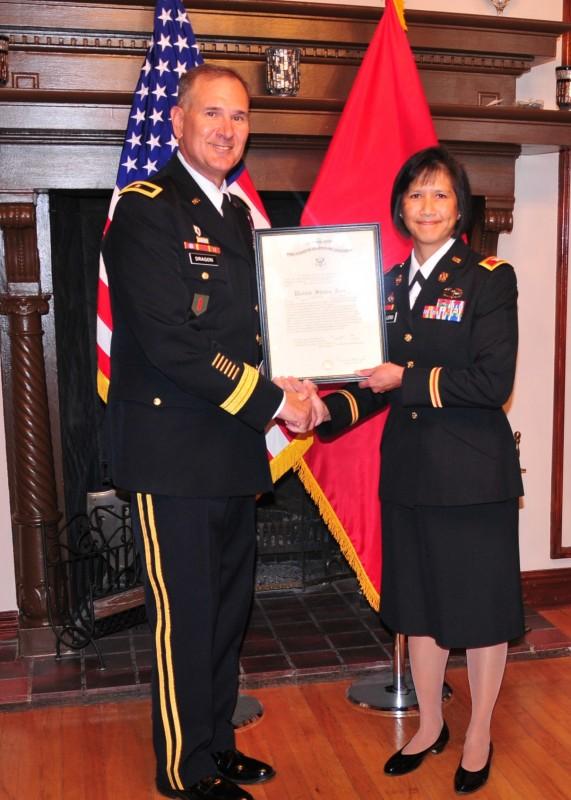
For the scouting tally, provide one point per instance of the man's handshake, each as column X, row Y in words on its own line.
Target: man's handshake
column 303, row 409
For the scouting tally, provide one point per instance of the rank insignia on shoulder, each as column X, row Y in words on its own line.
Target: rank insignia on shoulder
column 492, row 262
column 143, row 187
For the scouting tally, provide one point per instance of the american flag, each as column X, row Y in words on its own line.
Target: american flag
column 149, row 144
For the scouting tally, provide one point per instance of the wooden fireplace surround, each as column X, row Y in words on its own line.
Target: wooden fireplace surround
column 72, row 67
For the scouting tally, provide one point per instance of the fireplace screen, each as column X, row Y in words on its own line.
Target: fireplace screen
column 94, row 553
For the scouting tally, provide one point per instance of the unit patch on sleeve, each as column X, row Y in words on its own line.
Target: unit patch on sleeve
column 200, row 303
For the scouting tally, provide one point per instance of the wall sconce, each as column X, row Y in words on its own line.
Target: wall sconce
column 500, row 5
column 282, row 70
column 3, row 60
column 563, row 87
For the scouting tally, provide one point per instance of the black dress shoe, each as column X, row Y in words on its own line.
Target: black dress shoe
column 400, row 764
column 213, row 788
column 466, row 782
column 235, row 766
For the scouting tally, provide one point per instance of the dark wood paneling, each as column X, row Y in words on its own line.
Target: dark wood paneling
column 547, row 587
column 558, row 550
column 8, row 626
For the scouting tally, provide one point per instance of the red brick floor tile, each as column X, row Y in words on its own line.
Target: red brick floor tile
column 363, row 655
column 14, row 690
column 308, row 643
column 14, row 669
column 8, row 651
column 359, row 638
column 315, row 660
column 346, row 625
column 296, row 629
column 261, row 647
column 266, row 664
column 56, row 677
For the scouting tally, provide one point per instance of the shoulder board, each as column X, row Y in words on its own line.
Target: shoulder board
column 492, row 262
column 143, row 187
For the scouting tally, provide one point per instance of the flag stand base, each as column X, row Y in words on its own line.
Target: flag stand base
column 395, row 699
column 248, row 710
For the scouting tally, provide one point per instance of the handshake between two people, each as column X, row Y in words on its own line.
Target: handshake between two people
column 304, row 409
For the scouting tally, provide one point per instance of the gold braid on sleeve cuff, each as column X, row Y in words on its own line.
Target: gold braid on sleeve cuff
column 352, row 405
column 434, row 387
column 243, row 391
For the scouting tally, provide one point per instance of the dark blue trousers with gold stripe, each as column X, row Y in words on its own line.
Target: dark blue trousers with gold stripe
column 199, row 575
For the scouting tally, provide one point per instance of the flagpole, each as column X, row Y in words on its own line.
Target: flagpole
column 397, row 697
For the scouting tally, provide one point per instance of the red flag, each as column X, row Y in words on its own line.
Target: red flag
column 385, row 120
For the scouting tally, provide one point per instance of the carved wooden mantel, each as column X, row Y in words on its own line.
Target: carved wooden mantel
column 71, row 70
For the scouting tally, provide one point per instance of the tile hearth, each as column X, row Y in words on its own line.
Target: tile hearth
column 324, row 634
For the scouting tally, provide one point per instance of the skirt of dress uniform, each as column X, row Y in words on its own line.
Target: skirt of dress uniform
column 452, row 573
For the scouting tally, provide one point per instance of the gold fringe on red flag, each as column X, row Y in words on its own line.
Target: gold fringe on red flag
column 338, row 532
column 399, row 8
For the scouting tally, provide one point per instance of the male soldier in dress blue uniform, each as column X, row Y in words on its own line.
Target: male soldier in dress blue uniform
column 186, row 416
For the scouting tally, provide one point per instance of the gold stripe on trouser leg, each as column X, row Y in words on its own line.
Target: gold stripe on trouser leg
column 167, row 694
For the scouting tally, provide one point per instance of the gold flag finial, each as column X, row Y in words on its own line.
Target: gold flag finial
column 399, row 8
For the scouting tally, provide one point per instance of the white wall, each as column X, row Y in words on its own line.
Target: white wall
column 528, row 9
column 532, row 247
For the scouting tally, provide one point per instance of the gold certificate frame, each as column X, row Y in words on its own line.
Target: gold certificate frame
column 321, row 301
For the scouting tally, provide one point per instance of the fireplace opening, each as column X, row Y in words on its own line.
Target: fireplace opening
column 295, row 549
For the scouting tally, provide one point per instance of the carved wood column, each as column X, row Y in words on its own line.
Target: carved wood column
column 33, row 490
column 492, row 217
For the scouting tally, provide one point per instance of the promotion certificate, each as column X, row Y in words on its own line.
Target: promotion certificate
column 321, row 301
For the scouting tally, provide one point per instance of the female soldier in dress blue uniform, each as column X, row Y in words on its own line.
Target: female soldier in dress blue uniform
column 451, row 479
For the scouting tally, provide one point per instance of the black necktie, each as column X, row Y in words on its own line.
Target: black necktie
column 413, row 292
column 418, row 278
column 226, row 206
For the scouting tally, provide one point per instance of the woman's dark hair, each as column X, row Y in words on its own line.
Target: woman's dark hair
column 426, row 163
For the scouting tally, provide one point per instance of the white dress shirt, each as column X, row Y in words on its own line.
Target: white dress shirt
column 425, row 269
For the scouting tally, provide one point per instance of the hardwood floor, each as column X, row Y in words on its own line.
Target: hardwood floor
column 323, row 747
column 560, row 617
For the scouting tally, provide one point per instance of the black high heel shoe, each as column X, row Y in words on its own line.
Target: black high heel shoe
column 466, row 782
column 400, row 764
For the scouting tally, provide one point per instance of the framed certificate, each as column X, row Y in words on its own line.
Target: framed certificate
column 321, row 301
